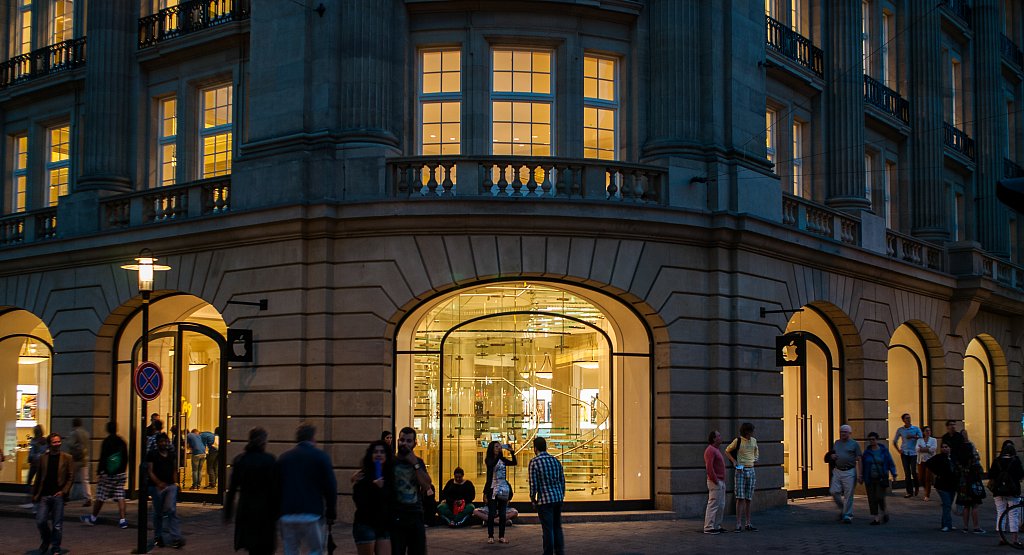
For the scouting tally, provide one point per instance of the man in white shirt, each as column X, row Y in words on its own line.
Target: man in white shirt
column 908, row 434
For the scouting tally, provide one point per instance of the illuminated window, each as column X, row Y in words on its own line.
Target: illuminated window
column 58, row 162
column 215, row 131
column 600, row 107
column 22, row 43
column 888, row 208
column 20, row 175
column 888, row 51
column 61, row 20
column 769, row 8
column 440, row 103
column 955, row 108
column 167, row 150
column 770, row 117
column 795, row 16
column 798, row 159
column 869, row 161
column 521, row 103
column 865, row 30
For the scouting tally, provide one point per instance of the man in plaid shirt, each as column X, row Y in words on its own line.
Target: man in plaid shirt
column 547, row 490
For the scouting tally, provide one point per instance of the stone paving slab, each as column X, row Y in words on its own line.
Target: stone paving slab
column 807, row 526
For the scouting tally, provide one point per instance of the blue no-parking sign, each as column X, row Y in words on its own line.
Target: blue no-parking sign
column 148, row 380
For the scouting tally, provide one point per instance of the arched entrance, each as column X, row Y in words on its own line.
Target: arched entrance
column 509, row 361
column 978, row 374
column 813, row 403
column 907, row 378
column 186, row 339
column 26, row 355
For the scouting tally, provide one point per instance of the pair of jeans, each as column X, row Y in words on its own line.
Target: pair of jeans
column 165, row 505
column 1003, row 503
column 876, row 496
column 499, row 505
column 716, row 506
column 550, row 515
column 295, row 535
column 212, row 468
column 197, row 469
column 50, row 508
column 947, row 507
column 910, row 473
column 407, row 535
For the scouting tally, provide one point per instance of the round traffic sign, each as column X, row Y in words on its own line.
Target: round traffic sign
column 148, row 380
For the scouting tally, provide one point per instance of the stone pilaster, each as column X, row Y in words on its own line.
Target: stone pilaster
column 930, row 211
column 674, row 116
column 844, row 97
column 990, row 127
column 371, row 44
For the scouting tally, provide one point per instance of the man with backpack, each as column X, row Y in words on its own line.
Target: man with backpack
column 112, row 469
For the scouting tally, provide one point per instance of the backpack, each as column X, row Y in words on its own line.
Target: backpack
column 1000, row 484
column 114, row 463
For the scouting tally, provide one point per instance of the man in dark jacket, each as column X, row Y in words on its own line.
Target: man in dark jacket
column 309, row 493
column 50, row 492
column 112, row 468
column 947, row 480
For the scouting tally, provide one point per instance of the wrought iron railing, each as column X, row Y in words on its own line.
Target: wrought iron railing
column 527, row 177
column 167, row 204
column 28, row 227
column 915, row 251
column 961, row 9
column 1011, row 52
column 957, row 140
column 794, row 46
column 1011, row 169
column 886, row 99
column 58, row 57
column 188, row 17
column 820, row 220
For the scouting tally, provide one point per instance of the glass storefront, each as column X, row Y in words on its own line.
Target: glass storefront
column 25, row 369
column 511, row 361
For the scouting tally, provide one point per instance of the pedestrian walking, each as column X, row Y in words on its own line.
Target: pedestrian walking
column 309, row 493
column 846, row 457
column 112, row 470
column 157, row 427
column 927, row 447
column 78, row 447
column 37, row 447
column 971, row 491
column 372, row 494
column 954, row 438
column 254, row 481
column 50, row 492
column 947, row 481
column 497, row 490
column 212, row 442
column 161, row 464
column 905, row 442
column 1005, row 474
column 743, row 453
column 547, row 491
column 197, row 450
column 411, row 484
column 876, row 467
column 714, row 468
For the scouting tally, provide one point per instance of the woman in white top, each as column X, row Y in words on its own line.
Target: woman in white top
column 926, row 448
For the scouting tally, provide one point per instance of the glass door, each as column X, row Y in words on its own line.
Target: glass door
column 811, row 402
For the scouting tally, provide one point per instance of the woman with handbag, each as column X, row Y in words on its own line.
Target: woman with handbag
column 1004, row 476
column 971, row 491
column 497, row 491
column 876, row 467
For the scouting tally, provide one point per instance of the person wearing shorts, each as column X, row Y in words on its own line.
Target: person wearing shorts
column 743, row 453
column 112, row 471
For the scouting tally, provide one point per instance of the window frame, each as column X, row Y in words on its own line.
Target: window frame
column 550, row 98
column 68, row 32
column 167, row 140
column 601, row 104
column 19, row 45
column 441, row 97
column 19, row 195
column 865, row 37
column 771, row 137
column 52, row 166
column 203, row 132
column 798, row 178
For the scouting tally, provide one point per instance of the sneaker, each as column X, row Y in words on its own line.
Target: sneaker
column 27, row 505
column 979, row 531
column 847, row 520
column 926, row 498
column 944, row 529
column 122, row 524
column 750, row 528
column 874, row 523
column 158, row 543
column 722, row 531
column 909, row 495
column 739, row 528
column 179, row 543
column 88, row 519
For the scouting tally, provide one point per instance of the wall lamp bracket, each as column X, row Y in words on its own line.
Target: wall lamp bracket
column 262, row 303
column 764, row 311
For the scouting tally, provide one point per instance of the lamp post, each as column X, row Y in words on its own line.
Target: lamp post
column 145, row 267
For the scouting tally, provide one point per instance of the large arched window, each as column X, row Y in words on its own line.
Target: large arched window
column 26, row 355
column 510, row 361
column 907, row 370
column 978, row 397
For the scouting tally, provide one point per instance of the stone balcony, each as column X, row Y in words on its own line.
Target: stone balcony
column 189, row 17
column 63, row 56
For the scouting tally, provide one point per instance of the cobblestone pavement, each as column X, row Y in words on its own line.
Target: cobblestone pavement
column 800, row 527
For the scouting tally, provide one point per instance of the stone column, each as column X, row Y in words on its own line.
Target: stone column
column 844, row 98
column 929, row 202
column 990, row 127
column 371, row 47
column 674, row 110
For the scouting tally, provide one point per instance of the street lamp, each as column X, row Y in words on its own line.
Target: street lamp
column 145, row 267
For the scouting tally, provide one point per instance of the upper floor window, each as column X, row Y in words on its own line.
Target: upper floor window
column 954, row 102
column 889, row 181
column 869, row 163
column 61, row 20
column 887, row 52
column 167, row 137
column 521, row 102
column 770, row 148
column 22, row 37
column 865, row 34
column 216, row 131
column 441, row 102
column 600, row 108
column 798, row 158
column 58, row 162
column 19, row 177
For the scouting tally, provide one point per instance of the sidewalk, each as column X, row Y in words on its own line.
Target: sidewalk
column 808, row 526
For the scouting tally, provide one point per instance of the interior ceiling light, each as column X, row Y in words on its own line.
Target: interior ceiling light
column 29, row 353
column 197, row 361
column 545, row 371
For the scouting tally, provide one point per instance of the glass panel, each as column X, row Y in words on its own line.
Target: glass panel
column 977, row 368
column 25, row 398
column 818, row 418
column 200, row 410
column 792, row 444
column 168, row 118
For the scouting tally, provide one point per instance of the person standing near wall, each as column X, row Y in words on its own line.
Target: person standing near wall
column 846, row 457
column 743, row 453
column 197, row 450
column 547, row 491
column 78, row 447
column 907, row 435
column 212, row 442
column 714, row 467
column 411, row 484
column 927, row 447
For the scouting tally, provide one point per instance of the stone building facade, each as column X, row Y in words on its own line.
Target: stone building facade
column 585, row 220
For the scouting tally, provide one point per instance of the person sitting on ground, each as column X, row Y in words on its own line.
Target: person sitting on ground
column 457, row 499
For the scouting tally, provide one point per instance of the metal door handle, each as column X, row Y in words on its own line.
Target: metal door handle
column 810, row 442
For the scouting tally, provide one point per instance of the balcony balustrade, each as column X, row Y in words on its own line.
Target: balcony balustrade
column 1011, row 169
column 915, row 251
column 55, row 58
column 1011, row 52
column 957, row 140
column 166, row 204
column 526, row 177
column 188, row 17
column 886, row 99
column 820, row 220
column 960, row 8
column 28, row 227
column 794, row 46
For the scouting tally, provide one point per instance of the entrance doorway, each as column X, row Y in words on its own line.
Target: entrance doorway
column 26, row 356
column 812, row 399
